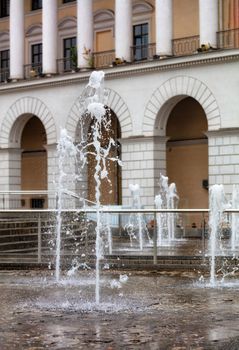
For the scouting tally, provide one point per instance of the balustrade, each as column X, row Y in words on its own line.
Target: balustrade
column 185, row 46
column 228, row 39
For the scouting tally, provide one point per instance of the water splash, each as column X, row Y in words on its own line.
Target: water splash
column 136, row 227
column 158, row 204
column 217, row 203
column 92, row 112
column 67, row 153
column 94, row 104
column 167, row 199
column 235, row 218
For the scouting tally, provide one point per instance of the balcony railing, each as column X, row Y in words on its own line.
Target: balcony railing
column 103, row 59
column 66, row 65
column 185, row 46
column 143, row 52
column 228, row 39
column 4, row 75
column 33, row 70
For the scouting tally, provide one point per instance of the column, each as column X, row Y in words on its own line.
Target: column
column 208, row 22
column 123, row 29
column 49, row 36
column 17, row 37
column 164, row 27
column 85, row 33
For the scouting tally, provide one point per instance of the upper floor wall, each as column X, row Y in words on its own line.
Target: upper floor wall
column 185, row 14
column 152, row 29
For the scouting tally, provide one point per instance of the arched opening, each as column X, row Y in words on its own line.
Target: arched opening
column 187, row 153
column 111, row 193
column 33, row 163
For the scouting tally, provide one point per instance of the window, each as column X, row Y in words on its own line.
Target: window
column 36, row 54
column 36, row 4
column 69, row 53
column 140, row 40
column 37, row 59
column 4, row 65
column 4, row 8
column 4, row 59
column 37, row 203
column 66, row 1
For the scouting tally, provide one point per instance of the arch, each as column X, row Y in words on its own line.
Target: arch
column 114, row 102
column 4, row 36
column 68, row 22
column 141, row 7
column 12, row 125
column 103, row 15
column 34, row 29
column 171, row 92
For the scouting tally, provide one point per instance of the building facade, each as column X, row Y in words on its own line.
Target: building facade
column 171, row 71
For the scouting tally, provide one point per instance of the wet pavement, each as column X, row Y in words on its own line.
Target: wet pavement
column 138, row 310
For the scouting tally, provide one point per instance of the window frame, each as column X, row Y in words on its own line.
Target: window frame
column 7, row 59
column 67, row 1
column 36, row 5
column 68, row 65
column 143, row 52
column 4, row 8
column 38, row 54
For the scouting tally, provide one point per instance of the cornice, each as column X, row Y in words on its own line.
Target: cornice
column 222, row 131
column 167, row 64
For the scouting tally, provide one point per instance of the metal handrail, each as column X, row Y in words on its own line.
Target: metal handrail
column 4, row 75
column 32, row 70
column 107, row 209
column 43, row 229
column 146, row 52
column 66, row 65
column 28, row 192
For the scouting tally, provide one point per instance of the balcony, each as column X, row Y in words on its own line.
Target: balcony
column 66, row 65
column 185, row 46
column 4, row 75
column 143, row 52
column 228, row 39
column 103, row 59
column 33, row 70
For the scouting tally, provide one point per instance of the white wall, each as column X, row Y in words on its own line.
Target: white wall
column 136, row 86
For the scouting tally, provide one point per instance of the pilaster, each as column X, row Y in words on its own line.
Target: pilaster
column 143, row 158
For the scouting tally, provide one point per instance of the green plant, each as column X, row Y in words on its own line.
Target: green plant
column 74, row 59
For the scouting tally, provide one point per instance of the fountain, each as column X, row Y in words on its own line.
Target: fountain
column 223, row 235
column 66, row 153
column 92, row 109
column 136, row 227
column 235, row 218
column 217, row 205
column 166, row 199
